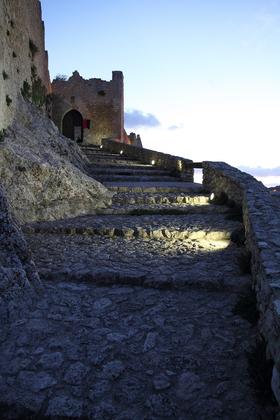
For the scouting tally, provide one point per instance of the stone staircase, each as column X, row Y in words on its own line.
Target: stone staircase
column 136, row 321
column 122, row 174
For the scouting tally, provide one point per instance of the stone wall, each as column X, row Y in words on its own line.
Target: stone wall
column 180, row 165
column 100, row 102
column 22, row 54
column 261, row 216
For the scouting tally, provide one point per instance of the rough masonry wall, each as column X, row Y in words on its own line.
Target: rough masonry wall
column 22, row 53
column 97, row 100
column 261, row 217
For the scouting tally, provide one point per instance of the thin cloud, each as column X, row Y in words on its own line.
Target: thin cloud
column 259, row 171
column 135, row 119
column 175, row 127
column 261, row 27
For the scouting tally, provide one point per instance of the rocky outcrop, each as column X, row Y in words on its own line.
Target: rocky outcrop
column 44, row 173
column 19, row 280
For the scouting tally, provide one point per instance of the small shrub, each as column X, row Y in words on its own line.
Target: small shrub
column 39, row 92
column 2, row 135
column 8, row 100
column 18, row 70
column 49, row 99
column 244, row 261
column 260, row 371
column 12, row 23
column 33, row 72
column 33, row 48
column 8, row 32
column 5, row 75
column 26, row 90
column 61, row 77
column 14, row 55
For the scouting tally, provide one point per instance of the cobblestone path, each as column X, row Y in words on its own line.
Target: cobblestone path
column 136, row 318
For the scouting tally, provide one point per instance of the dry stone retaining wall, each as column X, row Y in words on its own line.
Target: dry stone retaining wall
column 261, row 216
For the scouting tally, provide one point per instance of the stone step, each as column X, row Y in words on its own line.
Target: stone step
column 96, row 149
column 163, row 187
column 119, row 164
column 160, row 210
column 101, row 154
column 154, row 264
column 167, row 227
column 112, row 162
column 118, row 170
column 121, row 198
column 104, row 155
column 89, row 146
column 160, row 353
column 92, row 149
column 134, row 178
column 159, row 233
column 101, row 157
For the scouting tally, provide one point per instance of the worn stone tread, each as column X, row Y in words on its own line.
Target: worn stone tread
column 200, row 263
column 191, row 226
column 156, row 187
column 125, row 198
column 135, row 178
column 151, row 170
column 129, row 353
column 162, row 209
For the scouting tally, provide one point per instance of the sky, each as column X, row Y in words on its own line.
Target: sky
column 202, row 77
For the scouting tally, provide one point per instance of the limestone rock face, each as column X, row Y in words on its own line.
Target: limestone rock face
column 44, row 173
column 18, row 275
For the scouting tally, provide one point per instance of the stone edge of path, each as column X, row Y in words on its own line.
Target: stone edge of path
column 261, row 217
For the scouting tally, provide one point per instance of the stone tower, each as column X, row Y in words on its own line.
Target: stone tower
column 89, row 110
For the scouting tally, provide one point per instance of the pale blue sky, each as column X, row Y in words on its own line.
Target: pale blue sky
column 209, row 69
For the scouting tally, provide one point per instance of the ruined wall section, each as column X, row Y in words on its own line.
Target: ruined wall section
column 22, row 54
column 99, row 101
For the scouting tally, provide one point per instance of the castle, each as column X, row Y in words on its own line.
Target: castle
column 89, row 110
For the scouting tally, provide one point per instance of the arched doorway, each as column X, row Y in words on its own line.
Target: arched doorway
column 72, row 126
